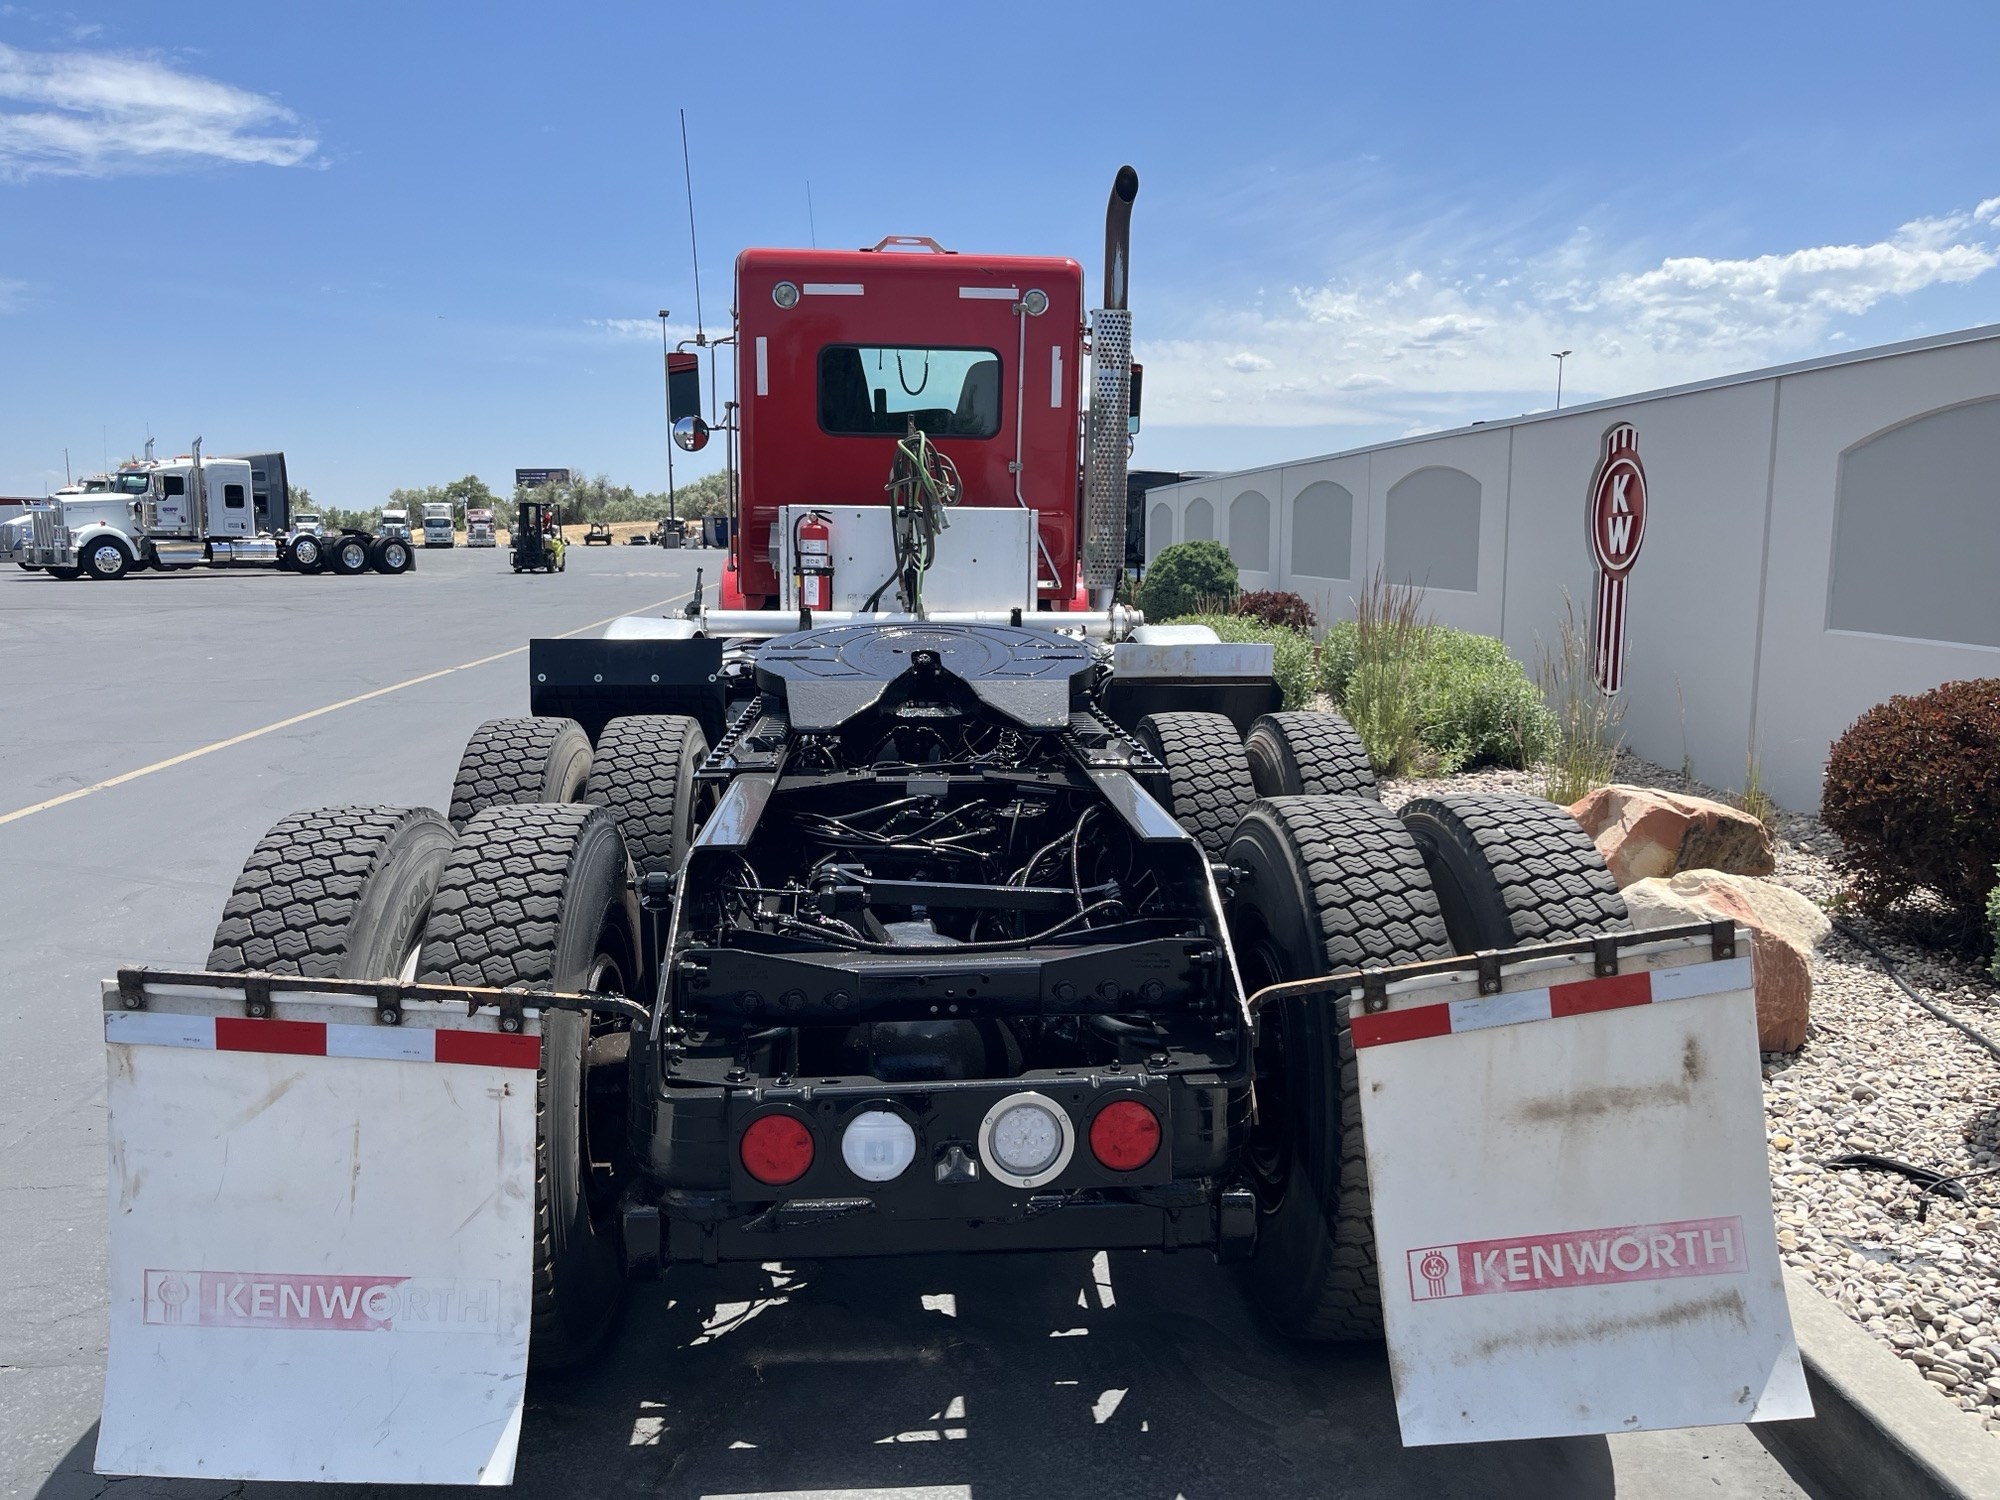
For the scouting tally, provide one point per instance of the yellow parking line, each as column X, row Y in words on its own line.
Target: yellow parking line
column 311, row 713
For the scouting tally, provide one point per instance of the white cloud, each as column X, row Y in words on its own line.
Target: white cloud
column 10, row 294
column 639, row 328
column 1416, row 346
column 97, row 114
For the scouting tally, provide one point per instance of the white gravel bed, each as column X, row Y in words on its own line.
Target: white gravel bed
column 1877, row 1074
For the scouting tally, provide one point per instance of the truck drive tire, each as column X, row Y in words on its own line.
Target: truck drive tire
column 490, row 924
column 105, row 558
column 390, row 555
column 307, row 553
column 1207, row 773
column 335, row 893
column 520, row 760
column 1330, row 884
column 1513, row 870
column 1308, row 754
column 643, row 770
column 347, row 555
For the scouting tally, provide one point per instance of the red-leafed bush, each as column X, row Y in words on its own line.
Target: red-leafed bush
column 1276, row 607
column 1913, row 793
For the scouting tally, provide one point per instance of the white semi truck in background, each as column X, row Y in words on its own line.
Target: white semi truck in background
column 479, row 530
column 396, row 521
column 191, row 512
column 438, row 524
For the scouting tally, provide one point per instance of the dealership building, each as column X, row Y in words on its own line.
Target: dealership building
column 1760, row 558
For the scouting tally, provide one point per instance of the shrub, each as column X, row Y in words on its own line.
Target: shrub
column 1291, row 655
column 1993, row 922
column 1186, row 575
column 1423, row 696
column 1276, row 607
column 1476, row 704
column 1913, row 793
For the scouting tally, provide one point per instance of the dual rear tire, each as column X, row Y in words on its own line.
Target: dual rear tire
column 524, row 896
column 1336, row 883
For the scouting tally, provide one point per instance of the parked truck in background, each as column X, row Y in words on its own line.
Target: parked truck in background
column 438, row 524
column 191, row 512
column 479, row 529
column 396, row 521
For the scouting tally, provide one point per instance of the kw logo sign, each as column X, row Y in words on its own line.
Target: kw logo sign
column 1617, row 528
column 344, row 1304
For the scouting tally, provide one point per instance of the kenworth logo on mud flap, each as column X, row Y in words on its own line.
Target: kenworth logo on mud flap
column 1583, row 1257
column 339, row 1304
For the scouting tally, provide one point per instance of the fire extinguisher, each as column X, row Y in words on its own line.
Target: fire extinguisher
column 812, row 552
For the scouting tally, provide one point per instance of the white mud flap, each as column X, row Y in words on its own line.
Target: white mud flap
column 1572, row 1207
column 321, row 1238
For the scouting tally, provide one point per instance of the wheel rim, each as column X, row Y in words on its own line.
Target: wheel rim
column 353, row 556
column 393, row 555
column 602, row 1111
column 106, row 559
column 1269, row 1154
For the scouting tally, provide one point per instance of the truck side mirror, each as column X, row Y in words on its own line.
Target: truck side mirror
column 690, row 434
column 683, row 387
column 1138, row 384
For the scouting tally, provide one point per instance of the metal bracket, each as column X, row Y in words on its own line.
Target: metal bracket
column 257, row 996
column 132, row 989
column 388, row 1006
column 1604, row 957
column 1722, row 938
column 512, row 1016
column 1489, row 971
column 1374, row 991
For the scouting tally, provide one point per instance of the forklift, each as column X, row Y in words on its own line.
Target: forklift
column 538, row 540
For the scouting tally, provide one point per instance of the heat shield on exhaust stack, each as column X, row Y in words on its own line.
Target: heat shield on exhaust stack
column 1110, row 406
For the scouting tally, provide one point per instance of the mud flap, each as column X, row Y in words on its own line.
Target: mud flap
column 1572, row 1203
column 321, row 1237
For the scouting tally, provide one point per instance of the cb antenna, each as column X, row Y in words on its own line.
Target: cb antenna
column 812, row 224
column 694, row 249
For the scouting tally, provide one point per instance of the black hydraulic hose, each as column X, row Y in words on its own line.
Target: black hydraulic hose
column 1973, row 1033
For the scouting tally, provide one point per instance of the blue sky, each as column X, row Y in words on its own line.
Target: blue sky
column 408, row 241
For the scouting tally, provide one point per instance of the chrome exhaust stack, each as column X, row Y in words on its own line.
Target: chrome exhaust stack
column 1110, row 403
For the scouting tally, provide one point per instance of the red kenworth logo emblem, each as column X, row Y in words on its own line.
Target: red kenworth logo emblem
column 1617, row 529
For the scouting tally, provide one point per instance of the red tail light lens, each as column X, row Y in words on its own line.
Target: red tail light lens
column 776, row 1149
column 1125, row 1135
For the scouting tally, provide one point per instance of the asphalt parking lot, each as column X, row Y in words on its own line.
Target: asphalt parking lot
column 154, row 728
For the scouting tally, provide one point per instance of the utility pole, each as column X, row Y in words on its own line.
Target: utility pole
column 1559, row 358
column 666, row 374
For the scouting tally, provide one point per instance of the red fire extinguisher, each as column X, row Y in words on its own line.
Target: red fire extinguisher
column 812, row 549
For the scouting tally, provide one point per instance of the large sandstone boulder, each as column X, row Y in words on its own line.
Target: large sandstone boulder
column 1642, row 832
column 1785, row 928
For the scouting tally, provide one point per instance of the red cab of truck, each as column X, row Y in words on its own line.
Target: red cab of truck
column 839, row 349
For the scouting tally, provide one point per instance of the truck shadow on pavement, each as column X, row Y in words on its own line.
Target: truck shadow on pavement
column 946, row 1378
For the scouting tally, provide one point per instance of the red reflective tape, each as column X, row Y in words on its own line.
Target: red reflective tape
column 495, row 1049
column 1600, row 994
column 1400, row 1025
column 237, row 1034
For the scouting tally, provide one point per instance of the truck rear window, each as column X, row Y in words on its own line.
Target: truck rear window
column 869, row 391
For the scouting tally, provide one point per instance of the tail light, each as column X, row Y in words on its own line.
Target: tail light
column 1125, row 1135
column 776, row 1149
column 1026, row 1140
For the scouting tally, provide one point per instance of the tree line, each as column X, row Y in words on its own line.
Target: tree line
column 580, row 500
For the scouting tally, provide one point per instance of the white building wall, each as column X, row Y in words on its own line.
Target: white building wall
column 1730, row 648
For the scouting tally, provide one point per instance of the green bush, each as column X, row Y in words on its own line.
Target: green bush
column 1465, row 700
column 1186, row 577
column 1291, row 655
column 1912, row 792
column 1993, row 922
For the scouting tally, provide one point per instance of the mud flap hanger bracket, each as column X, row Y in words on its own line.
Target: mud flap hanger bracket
column 1485, row 966
column 390, row 997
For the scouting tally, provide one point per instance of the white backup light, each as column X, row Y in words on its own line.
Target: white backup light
column 878, row 1145
column 1026, row 1140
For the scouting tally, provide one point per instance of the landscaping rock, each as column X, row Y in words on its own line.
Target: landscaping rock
column 1642, row 832
column 1784, row 926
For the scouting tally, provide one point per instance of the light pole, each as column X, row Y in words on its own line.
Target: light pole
column 1558, row 358
column 667, row 375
